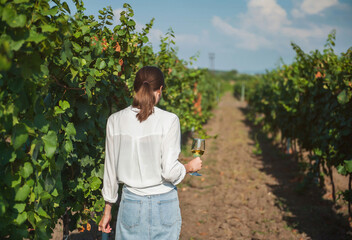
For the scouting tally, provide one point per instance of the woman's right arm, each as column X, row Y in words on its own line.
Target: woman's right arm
column 172, row 170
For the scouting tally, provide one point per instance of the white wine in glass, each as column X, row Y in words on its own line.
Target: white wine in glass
column 198, row 148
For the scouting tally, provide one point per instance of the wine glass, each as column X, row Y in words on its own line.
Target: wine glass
column 198, row 148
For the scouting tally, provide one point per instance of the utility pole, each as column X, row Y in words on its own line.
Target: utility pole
column 212, row 69
column 243, row 90
column 212, row 60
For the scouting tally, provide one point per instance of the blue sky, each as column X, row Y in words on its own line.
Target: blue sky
column 247, row 35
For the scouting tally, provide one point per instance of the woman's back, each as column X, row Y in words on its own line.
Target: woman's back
column 144, row 152
column 141, row 151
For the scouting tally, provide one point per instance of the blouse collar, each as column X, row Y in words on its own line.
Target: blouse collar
column 134, row 109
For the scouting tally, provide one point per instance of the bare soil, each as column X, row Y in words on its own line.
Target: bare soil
column 246, row 196
column 241, row 195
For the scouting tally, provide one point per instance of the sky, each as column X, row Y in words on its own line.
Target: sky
column 250, row 36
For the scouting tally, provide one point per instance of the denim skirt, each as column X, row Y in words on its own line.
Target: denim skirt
column 152, row 217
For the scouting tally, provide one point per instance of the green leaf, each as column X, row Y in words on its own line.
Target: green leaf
column 48, row 28
column 21, row 1
column 70, row 129
column 64, row 104
column 76, row 62
column 21, row 218
column 318, row 152
column 85, row 29
column 31, row 218
column 68, row 146
column 342, row 97
column 45, row 196
column 90, row 82
column 15, row 46
column 98, row 171
column 348, row 165
column 7, row 154
column 65, row 6
column 145, row 39
column 50, row 142
column 100, row 64
column 15, row 182
column 58, row 110
column 76, row 47
column 77, row 34
column 99, row 205
column 26, row 170
column 45, row 70
column 131, row 23
column 19, row 207
column 85, row 161
column 42, row 213
column 20, row 136
column 8, row 13
column 55, row 193
column 52, row 11
column 10, row 16
column 41, row 123
column 74, row 72
column 22, row 193
column 36, row 37
column 95, row 183
column 30, row 182
column 122, row 32
column 5, row 63
column 18, row 21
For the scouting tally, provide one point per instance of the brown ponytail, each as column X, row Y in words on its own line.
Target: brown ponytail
column 148, row 79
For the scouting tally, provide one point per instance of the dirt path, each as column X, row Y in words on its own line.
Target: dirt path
column 244, row 196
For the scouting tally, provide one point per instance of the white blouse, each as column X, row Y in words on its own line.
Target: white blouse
column 142, row 155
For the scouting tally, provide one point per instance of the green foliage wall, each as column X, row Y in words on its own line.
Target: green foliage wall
column 311, row 101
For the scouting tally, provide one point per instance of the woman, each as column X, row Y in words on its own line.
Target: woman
column 142, row 148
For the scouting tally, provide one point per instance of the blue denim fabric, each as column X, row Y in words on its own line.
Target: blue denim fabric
column 152, row 217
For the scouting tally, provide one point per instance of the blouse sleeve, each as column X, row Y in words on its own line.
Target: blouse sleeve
column 110, row 184
column 172, row 170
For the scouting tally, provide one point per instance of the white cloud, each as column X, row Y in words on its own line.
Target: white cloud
column 189, row 39
column 316, row 6
column 266, row 25
column 296, row 13
column 306, row 33
column 312, row 7
column 245, row 39
column 265, row 14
